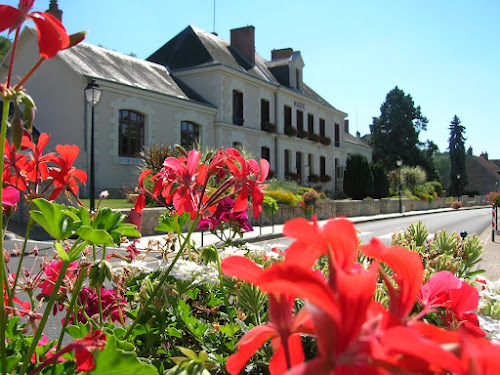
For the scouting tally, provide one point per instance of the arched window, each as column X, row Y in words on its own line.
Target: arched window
column 131, row 136
column 190, row 134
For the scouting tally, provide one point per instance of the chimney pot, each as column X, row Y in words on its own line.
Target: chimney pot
column 243, row 39
column 346, row 125
column 54, row 10
column 278, row 54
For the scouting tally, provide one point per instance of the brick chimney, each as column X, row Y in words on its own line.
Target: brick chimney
column 484, row 155
column 243, row 39
column 346, row 125
column 54, row 10
column 278, row 54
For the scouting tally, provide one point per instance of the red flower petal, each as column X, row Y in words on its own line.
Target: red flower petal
column 248, row 345
column 8, row 16
column 243, row 268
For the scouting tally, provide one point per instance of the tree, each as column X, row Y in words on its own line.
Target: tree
column 458, row 173
column 5, row 44
column 395, row 132
column 358, row 178
column 380, row 181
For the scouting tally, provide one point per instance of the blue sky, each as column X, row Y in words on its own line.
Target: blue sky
column 444, row 53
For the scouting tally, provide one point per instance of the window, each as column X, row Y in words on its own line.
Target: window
column 298, row 163
column 264, row 111
column 322, row 165
column 337, row 135
column 287, row 162
column 322, row 127
column 288, row 116
column 310, row 123
column 131, row 137
column 190, row 134
column 300, row 120
column 265, row 153
column 310, row 163
column 238, row 108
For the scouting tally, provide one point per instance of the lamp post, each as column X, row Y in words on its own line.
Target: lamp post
column 399, row 163
column 92, row 97
column 458, row 185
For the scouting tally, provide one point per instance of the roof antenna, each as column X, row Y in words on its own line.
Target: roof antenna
column 213, row 32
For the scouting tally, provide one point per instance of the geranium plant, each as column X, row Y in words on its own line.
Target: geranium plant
column 494, row 198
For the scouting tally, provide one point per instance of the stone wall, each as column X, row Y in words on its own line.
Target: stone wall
column 324, row 210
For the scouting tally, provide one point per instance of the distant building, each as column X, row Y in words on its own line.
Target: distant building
column 483, row 174
column 197, row 87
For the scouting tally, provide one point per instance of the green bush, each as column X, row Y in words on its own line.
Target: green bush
column 411, row 177
column 282, row 197
column 438, row 188
column 269, row 205
column 358, row 177
column 380, row 181
column 303, row 189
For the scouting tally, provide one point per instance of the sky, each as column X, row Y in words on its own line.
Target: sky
column 444, row 53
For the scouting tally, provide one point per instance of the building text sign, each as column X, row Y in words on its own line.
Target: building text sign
column 299, row 104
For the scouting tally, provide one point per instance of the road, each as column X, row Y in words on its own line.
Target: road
column 471, row 221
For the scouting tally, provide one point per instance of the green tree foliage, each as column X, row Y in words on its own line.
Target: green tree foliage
column 380, row 181
column 5, row 44
column 443, row 164
column 395, row 132
column 457, row 157
column 428, row 152
column 412, row 177
column 358, row 178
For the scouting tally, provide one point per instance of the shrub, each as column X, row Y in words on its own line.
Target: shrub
column 282, row 197
column 438, row 188
column 358, row 177
column 456, row 205
column 154, row 156
column 303, row 189
column 380, row 181
column 411, row 177
column 269, row 205
column 493, row 198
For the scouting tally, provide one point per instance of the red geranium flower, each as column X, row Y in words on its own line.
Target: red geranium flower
column 65, row 177
column 52, row 35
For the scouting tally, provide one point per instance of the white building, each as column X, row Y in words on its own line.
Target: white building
column 196, row 87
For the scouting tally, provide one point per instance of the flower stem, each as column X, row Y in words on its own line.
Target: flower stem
column 45, row 317
column 156, row 291
column 30, row 73
column 12, row 57
column 3, row 274
column 31, row 224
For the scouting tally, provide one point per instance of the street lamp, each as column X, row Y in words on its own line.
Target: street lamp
column 92, row 97
column 399, row 163
column 458, row 185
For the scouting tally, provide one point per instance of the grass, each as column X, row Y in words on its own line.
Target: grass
column 111, row 203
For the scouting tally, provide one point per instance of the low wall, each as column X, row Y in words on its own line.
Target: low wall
column 324, row 210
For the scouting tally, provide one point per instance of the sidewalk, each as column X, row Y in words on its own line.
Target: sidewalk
column 491, row 255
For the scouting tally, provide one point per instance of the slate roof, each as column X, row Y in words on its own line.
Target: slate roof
column 353, row 139
column 481, row 174
column 194, row 47
column 98, row 62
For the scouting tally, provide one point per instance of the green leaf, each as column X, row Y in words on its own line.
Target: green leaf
column 13, row 361
column 77, row 331
column 172, row 223
column 114, row 360
column 53, row 219
column 230, row 329
column 95, row 236
column 174, row 332
column 188, row 353
column 62, row 252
